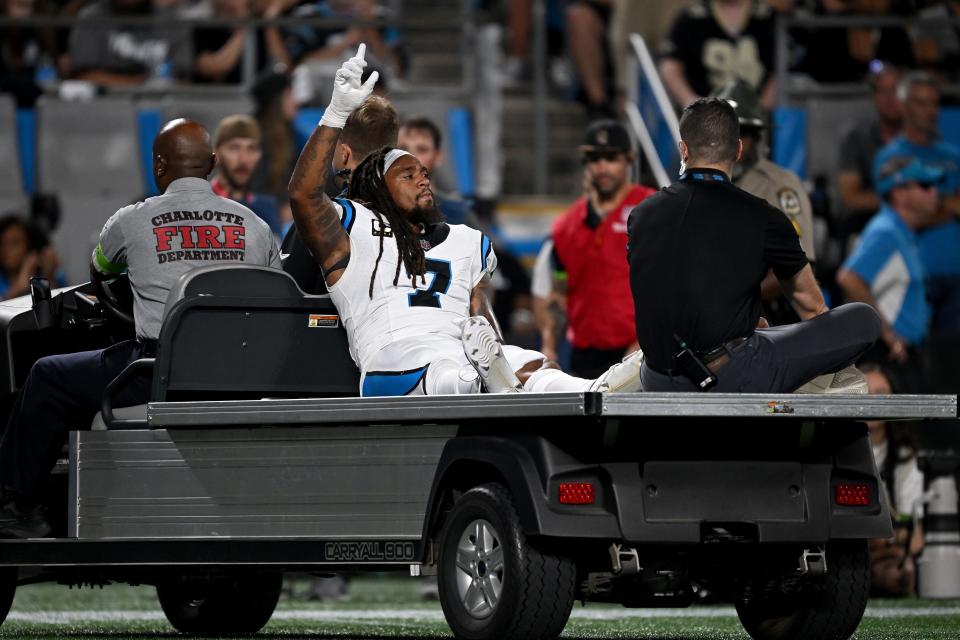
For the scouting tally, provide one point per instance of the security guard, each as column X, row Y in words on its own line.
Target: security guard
column 758, row 176
column 700, row 248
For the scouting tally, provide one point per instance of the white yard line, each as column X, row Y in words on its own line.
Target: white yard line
column 67, row 617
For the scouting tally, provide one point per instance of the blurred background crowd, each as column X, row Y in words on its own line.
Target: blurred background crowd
column 855, row 100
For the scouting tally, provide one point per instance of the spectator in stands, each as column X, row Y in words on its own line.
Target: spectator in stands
column 590, row 245
column 892, row 560
column 650, row 19
column 859, row 145
column 237, row 145
column 422, row 137
column 758, row 176
column 885, row 270
column 219, row 51
column 589, row 47
column 938, row 38
column 755, row 173
column 714, row 42
column 317, row 52
column 938, row 244
column 275, row 110
column 111, row 54
column 834, row 54
column 25, row 252
column 519, row 19
column 21, row 49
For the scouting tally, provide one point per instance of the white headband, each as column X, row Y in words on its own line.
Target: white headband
column 392, row 156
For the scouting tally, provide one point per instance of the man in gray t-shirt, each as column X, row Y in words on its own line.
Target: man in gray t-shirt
column 158, row 240
column 155, row 241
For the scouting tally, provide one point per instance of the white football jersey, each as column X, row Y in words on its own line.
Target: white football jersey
column 457, row 259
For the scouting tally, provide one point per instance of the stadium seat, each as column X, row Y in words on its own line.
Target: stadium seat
column 81, row 218
column 208, row 111
column 12, row 197
column 14, row 203
column 827, row 120
column 88, row 149
column 241, row 331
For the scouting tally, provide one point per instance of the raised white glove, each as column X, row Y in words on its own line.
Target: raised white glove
column 348, row 93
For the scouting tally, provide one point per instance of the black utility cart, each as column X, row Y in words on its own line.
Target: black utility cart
column 520, row 504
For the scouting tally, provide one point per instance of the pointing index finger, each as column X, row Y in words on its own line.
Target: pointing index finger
column 361, row 51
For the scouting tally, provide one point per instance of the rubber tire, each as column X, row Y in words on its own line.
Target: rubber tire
column 831, row 610
column 8, row 588
column 538, row 588
column 242, row 605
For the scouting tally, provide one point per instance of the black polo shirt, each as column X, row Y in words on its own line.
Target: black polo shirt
column 299, row 263
column 698, row 251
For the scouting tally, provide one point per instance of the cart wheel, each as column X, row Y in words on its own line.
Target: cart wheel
column 828, row 610
column 493, row 583
column 8, row 587
column 239, row 606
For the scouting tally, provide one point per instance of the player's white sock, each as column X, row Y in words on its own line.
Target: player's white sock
column 449, row 377
column 621, row 377
column 554, row 381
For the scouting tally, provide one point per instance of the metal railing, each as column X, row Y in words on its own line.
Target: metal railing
column 464, row 24
column 788, row 89
column 642, row 70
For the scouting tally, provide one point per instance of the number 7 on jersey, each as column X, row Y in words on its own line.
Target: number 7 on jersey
column 439, row 275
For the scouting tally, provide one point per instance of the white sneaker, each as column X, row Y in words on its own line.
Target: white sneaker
column 623, row 377
column 483, row 350
column 849, row 380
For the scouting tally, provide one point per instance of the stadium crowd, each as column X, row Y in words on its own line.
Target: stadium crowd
column 894, row 226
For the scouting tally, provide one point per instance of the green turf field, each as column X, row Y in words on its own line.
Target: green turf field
column 381, row 607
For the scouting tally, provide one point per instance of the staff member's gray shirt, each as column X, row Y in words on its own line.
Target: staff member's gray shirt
column 163, row 237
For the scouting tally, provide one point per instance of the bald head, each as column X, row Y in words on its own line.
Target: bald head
column 182, row 149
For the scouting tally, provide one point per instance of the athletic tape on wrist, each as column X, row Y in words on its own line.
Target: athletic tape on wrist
column 331, row 119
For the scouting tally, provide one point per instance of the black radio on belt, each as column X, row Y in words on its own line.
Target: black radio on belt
column 692, row 367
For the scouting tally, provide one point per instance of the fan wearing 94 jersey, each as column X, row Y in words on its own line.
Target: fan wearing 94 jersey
column 409, row 287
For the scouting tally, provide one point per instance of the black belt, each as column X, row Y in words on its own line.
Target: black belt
column 715, row 359
column 722, row 350
column 148, row 347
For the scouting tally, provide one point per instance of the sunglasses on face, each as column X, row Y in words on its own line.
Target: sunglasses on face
column 596, row 156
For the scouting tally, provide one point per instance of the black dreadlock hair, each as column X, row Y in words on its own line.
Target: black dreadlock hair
column 367, row 186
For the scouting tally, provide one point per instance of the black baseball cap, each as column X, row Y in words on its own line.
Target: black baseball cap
column 607, row 135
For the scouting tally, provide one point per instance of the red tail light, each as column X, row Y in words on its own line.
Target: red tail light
column 576, row 493
column 852, row 495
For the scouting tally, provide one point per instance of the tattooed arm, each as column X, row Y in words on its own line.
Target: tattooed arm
column 315, row 215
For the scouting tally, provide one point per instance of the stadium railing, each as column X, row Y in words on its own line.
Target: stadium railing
column 650, row 112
